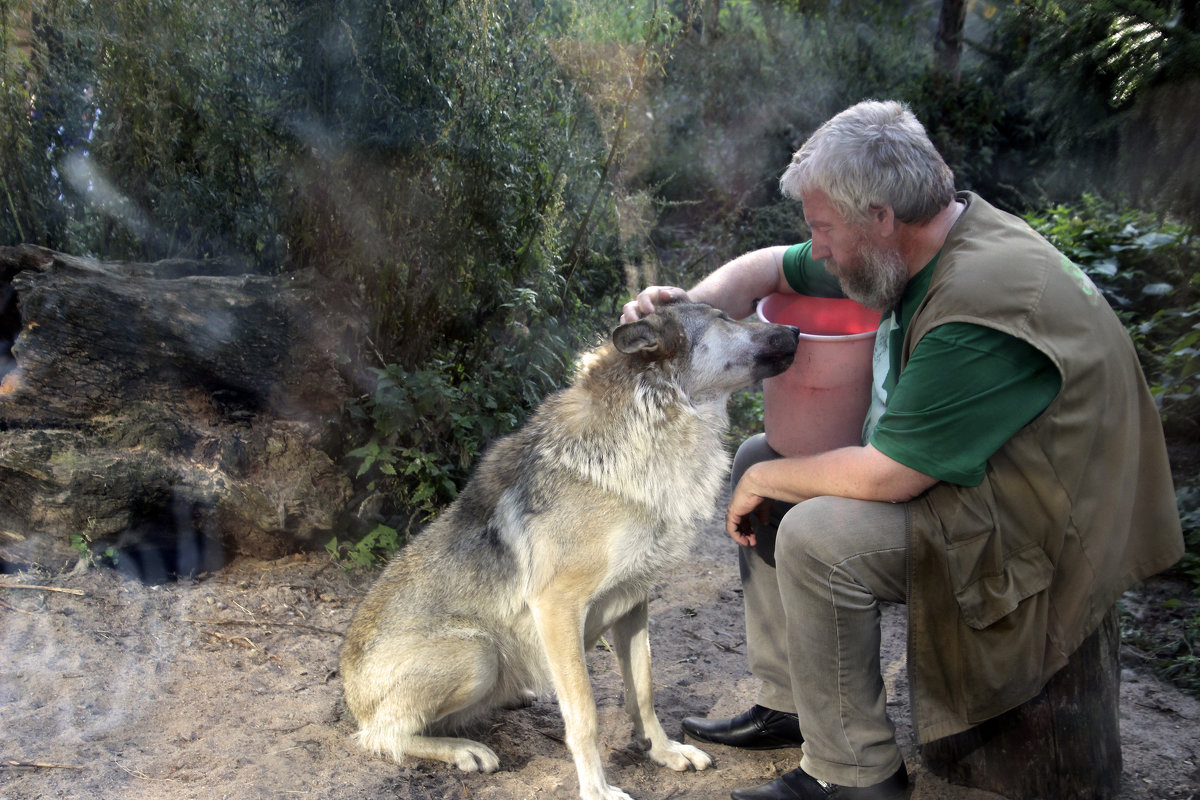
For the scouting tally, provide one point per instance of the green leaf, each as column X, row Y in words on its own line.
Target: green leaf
column 1154, row 240
column 366, row 465
column 369, row 450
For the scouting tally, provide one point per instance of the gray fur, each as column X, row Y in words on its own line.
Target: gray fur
column 559, row 536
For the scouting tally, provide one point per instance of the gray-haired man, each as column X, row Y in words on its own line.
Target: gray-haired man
column 1012, row 479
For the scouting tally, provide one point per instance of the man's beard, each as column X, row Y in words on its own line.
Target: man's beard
column 878, row 281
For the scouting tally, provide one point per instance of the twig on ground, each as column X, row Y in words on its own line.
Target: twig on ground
column 624, row 751
column 240, row 641
column 261, row 622
column 552, row 737
column 78, row 592
column 137, row 773
column 36, row 765
column 11, row 607
column 714, row 642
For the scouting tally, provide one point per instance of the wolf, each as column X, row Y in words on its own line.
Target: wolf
column 558, row 537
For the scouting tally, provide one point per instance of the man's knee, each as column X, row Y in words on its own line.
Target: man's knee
column 810, row 530
column 855, row 537
column 751, row 452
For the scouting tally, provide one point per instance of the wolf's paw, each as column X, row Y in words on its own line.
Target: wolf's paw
column 680, row 757
column 602, row 792
column 475, row 757
column 524, row 699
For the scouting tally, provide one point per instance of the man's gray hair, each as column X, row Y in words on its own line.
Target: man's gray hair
column 873, row 154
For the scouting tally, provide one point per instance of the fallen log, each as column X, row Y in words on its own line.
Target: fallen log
column 166, row 413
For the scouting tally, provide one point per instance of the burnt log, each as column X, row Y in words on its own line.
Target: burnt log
column 174, row 407
column 1064, row 744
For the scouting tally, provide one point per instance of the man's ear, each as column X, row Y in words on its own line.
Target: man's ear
column 882, row 221
column 651, row 336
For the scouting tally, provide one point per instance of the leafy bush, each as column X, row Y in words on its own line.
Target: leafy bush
column 1113, row 85
column 426, row 428
column 449, row 171
column 144, row 130
column 459, row 179
column 1148, row 271
column 1189, row 514
column 1170, row 650
column 379, row 543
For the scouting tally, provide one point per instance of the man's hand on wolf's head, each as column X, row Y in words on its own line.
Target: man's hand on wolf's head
column 648, row 299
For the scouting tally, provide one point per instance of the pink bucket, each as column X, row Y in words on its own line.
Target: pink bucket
column 821, row 401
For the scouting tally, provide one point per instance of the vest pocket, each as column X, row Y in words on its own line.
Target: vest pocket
column 988, row 599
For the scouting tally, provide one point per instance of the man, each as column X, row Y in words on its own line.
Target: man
column 1012, row 480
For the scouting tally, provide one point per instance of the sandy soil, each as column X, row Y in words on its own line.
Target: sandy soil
column 227, row 687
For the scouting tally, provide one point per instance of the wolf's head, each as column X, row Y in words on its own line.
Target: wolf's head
column 706, row 352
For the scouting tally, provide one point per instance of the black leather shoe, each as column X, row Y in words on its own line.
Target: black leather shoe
column 799, row 785
column 757, row 729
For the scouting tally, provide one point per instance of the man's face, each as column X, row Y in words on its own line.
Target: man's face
column 869, row 272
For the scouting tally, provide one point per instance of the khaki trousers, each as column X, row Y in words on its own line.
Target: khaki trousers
column 812, row 588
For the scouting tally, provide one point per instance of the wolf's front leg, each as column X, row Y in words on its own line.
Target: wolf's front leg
column 559, row 623
column 631, row 640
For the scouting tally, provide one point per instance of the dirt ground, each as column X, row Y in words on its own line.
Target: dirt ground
column 226, row 687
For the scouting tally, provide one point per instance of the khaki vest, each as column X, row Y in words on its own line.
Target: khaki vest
column 1007, row 578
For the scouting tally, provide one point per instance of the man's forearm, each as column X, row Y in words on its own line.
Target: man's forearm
column 862, row 473
column 736, row 285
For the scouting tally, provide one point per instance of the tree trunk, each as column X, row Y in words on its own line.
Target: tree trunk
column 1064, row 744
column 164, row 413
column 947, row 45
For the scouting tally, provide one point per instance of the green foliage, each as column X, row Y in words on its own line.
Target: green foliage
column 732, row 105
column 131, row 127
column 492, row 179
column 1178, row 657
column 1173, row 651
column 629, row 22
column 82, row 544
column 425, row 428
column 450, row 170
column 1113, row 49
column 745, row 415
column 1148, row 271
column 377, row 545
column 1189, row 514
column 1114, row 85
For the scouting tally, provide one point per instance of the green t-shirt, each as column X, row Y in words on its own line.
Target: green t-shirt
column 807, row 275
column 966, row 390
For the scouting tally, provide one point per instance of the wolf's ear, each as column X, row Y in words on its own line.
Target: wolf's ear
column 651, row 336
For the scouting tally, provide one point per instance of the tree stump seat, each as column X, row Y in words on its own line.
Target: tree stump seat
column 1064, row 744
